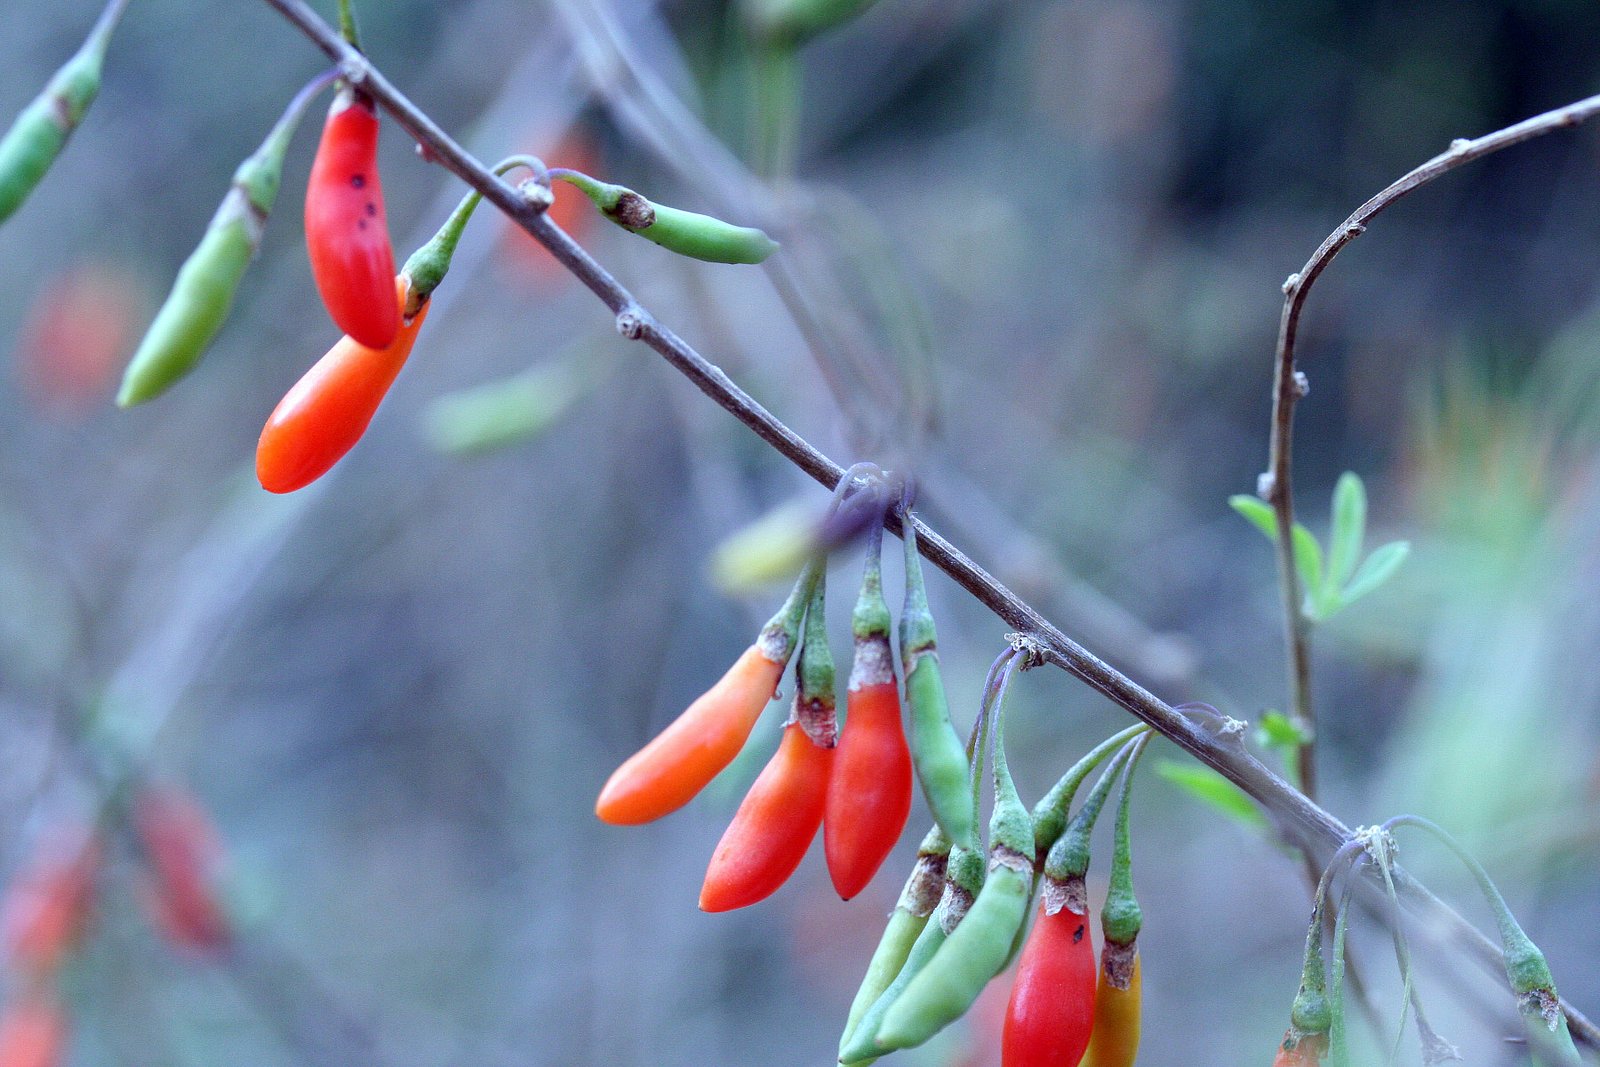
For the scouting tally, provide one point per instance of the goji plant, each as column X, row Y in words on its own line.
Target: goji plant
column 1000, row 891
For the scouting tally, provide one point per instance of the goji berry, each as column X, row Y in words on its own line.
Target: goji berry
column 347, row 232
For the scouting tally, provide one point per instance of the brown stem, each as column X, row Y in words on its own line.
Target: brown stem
column 1289, row 385
column 1299, row 818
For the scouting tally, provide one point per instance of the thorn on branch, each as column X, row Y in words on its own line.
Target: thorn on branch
column 1302, row 385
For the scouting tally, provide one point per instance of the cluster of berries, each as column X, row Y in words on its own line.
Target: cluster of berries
column 964, row 911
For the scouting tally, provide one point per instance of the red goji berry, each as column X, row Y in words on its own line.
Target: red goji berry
column 33, row 1032
column 1051, row 1012
column 869, row 795
column 773, row 827
column 1300, row 1050
column 347, row 233
column 184, row 854
column 578, row 149
column 47, row 908
column 80, row 326
column 782, row 812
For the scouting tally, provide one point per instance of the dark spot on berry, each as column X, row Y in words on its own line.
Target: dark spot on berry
column 372, row 209
column 361, row 224
column 358, row 181
column 1077, row 935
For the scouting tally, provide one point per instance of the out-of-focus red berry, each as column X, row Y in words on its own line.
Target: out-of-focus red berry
column 47, row 908
column 572, row 211
column 184, row 856
column 33, row 1032
column 77, row 336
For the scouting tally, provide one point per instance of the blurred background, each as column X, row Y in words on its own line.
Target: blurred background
column 1032, row 251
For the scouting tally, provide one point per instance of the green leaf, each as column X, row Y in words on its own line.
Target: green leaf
column 1207, row 786
column 505, row 412
column 1308, row 561
column 1277, row 730
column 772, row 548
column 1349, row 527
column 1258, row 512
column 1376, row 569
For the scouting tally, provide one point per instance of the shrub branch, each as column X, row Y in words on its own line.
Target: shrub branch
column 1299, row 818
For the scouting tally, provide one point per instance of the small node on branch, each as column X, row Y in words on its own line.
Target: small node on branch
column 1302, row 384
column 1355, row 229
column 1032, row 650
column 537, row 193
column 426, row 154
column 630, row 323
column 1460, row 145
column 1291, row 283
column 354, row 70
column 1266, row 484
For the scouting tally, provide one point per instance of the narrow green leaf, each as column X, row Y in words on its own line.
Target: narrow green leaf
column 1277, row 730
column 1258, row 512
column 1308, row 561
column 1206, row 785
column 772, row 548
column 1376, row 569
column 1323, row 602
column 1349, row 527
column 502, row 413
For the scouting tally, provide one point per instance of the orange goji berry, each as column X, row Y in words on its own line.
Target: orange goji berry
column 323, row 416
column 1115, row 1038
column 669, row 771
column 1300, row 1050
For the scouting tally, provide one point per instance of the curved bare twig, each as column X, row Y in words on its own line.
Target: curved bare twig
column 1277, row 485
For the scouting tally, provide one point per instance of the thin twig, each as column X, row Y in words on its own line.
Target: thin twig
column 1299, row 818
column 1289, row 385
column 644, row 103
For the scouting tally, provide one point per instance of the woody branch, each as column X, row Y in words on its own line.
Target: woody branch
column 1300, row 819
